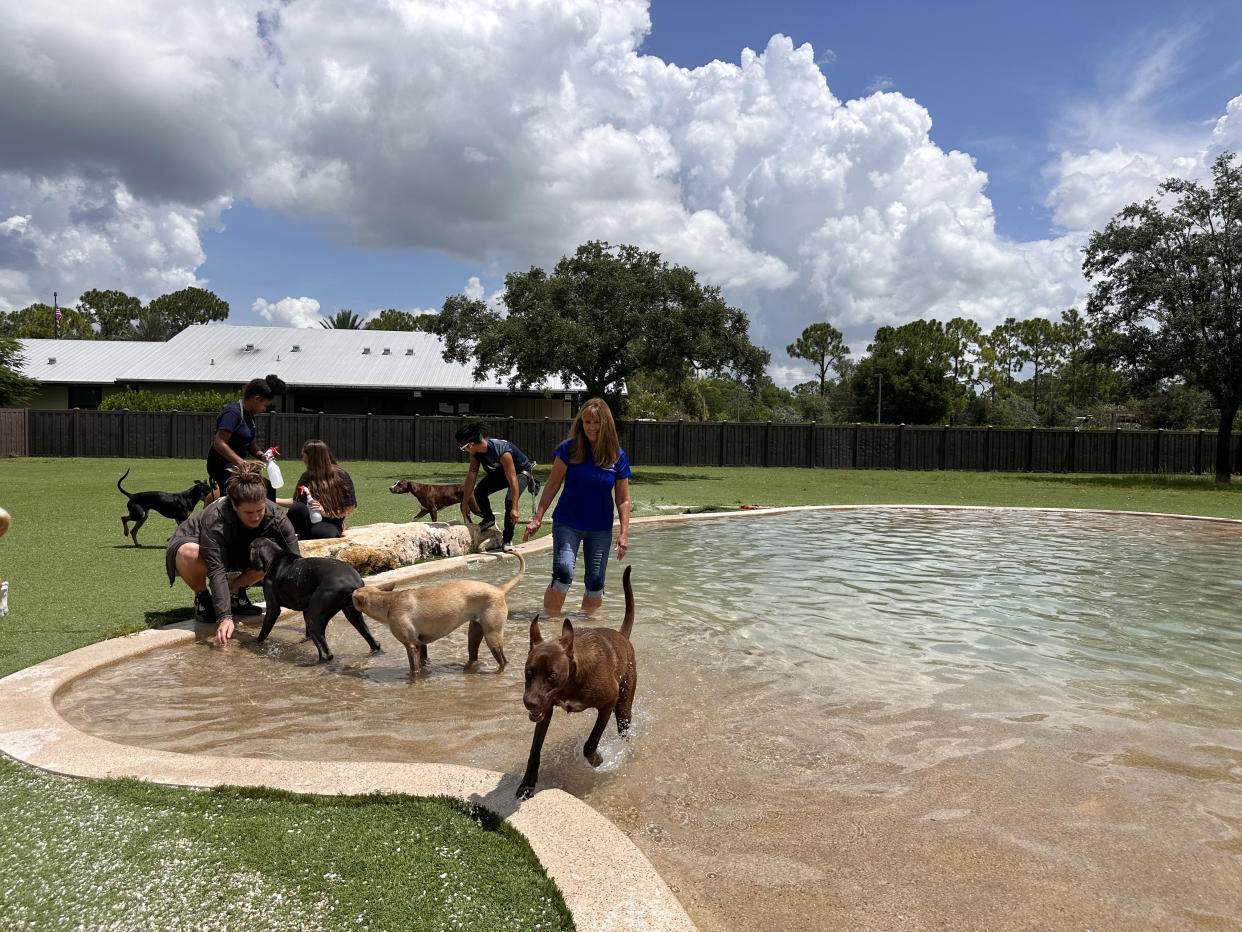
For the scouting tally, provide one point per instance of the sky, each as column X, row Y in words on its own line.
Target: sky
column 864, row 164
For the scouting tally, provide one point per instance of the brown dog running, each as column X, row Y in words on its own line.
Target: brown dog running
column 417, row 617
column 592, row 668
column 433, row 497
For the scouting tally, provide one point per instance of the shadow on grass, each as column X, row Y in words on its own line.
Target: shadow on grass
column 1169, row 483
column 154, row 619
column 642, row 476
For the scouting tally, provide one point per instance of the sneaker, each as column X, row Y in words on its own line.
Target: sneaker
column 204, row 611
column 507, row 547
column 242, row 606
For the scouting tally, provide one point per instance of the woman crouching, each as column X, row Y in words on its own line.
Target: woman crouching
column 210, row 550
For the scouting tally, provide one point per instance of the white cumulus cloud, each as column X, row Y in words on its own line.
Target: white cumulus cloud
column 289, row 312
column 507, row 132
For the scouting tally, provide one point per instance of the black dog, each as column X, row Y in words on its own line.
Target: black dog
column 318, row 587
column 175, row 505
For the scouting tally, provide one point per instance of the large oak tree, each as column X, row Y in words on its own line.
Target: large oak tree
column 603, row 314
column 1167, row 290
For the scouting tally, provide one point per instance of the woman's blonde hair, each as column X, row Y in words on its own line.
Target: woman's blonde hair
column 607, row 449
column 245, row 484
column 323, row 477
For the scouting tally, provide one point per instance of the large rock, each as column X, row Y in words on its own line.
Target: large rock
column 375, row 548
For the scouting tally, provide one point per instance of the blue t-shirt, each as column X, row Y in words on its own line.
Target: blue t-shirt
column 241, row 422
column 586, row 501
column 498, row 448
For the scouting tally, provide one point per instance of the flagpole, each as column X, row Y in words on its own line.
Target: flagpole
column 56, row 307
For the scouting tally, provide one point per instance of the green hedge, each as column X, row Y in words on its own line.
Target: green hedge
column 153, row 401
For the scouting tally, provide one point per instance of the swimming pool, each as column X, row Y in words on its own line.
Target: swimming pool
column 964, row 717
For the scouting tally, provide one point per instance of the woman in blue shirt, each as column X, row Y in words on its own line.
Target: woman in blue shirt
column 235, row 434
column 593, row 468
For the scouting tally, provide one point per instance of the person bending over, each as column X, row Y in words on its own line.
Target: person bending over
column 505, row 466
column 213, row 545
column 331, row 494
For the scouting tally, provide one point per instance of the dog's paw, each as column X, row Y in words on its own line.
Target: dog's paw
column 595, row 759
column 525, row 791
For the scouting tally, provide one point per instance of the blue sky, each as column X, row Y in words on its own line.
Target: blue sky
column 862, row 163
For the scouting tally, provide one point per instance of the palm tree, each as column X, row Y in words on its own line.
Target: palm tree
column 342, row 320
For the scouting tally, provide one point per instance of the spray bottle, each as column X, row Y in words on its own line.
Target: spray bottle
column 315, row 515
column 273, row 469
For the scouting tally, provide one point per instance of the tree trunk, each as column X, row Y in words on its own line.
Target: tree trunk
column 1224, row 441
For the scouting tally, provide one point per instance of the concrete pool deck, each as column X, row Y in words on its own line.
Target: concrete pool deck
column 607, row 883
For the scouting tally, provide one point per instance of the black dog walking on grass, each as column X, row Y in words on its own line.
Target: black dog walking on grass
column 175, row 505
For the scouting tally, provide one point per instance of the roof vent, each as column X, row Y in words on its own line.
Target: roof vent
column 387, row 352
column 51, row 360
column 409, row 352
column 297, row 348
column 249, row 348
column 366, row 351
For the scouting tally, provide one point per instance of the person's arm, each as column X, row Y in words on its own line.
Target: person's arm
column 349, row 496
column 211, row 545
column 550, row 488
column 621, row 491
column 220, row 443
column 467, row 495
column 506, row 462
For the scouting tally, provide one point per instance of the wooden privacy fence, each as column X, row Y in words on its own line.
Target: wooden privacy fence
column 391, row 438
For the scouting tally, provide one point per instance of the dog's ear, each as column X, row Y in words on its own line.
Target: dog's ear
column 567, row 637
column 385, row 586
column 535, row 636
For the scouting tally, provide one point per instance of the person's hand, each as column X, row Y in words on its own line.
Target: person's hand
column 224, row 631
column 513, row 515
column 312, row 504
column 623, row 544
column 532, row 529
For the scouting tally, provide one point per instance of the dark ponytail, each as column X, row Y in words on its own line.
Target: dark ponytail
column 268, row 388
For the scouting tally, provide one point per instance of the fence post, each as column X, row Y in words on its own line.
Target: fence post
column 76, row 425
column 857, row 432
column 172, row 420
column 679, row 457
column 767, row 443
column 944, row 449
column 1030, row 450
column 1116, row 449
column 366, row 437
column 901, row 445
column 125, row 432
column 1199, row 455
column 810, row 446
column 1159, row 443
column 724, row 430
column 414, row 450
column 987, row 453
column 1073, row 457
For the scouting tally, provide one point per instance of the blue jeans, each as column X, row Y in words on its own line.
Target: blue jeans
column 595, row 548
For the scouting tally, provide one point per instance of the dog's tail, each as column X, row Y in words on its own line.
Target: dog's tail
column 118, row 484
column 628, row 624
column 505, row 587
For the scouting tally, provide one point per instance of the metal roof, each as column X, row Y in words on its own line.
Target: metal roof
column 82, row 362
column 305, row 357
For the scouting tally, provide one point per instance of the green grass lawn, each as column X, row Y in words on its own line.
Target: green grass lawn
column 121, row 854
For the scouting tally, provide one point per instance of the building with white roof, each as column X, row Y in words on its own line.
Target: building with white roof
column 334, row 371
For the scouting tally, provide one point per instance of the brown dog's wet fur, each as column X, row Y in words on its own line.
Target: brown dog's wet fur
column 590, row 668
column 417, row 617
column 432, row 497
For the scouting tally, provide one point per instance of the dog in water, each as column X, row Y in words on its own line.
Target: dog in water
column 175, row 505
column 585, row 668
column 318, row 587
column 419, row 616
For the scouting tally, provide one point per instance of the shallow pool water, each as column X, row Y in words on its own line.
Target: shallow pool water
column 967, row 719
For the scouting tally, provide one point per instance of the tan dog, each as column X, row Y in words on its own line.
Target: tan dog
column 417, row 617
column 592, row 668
column 433, row 497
